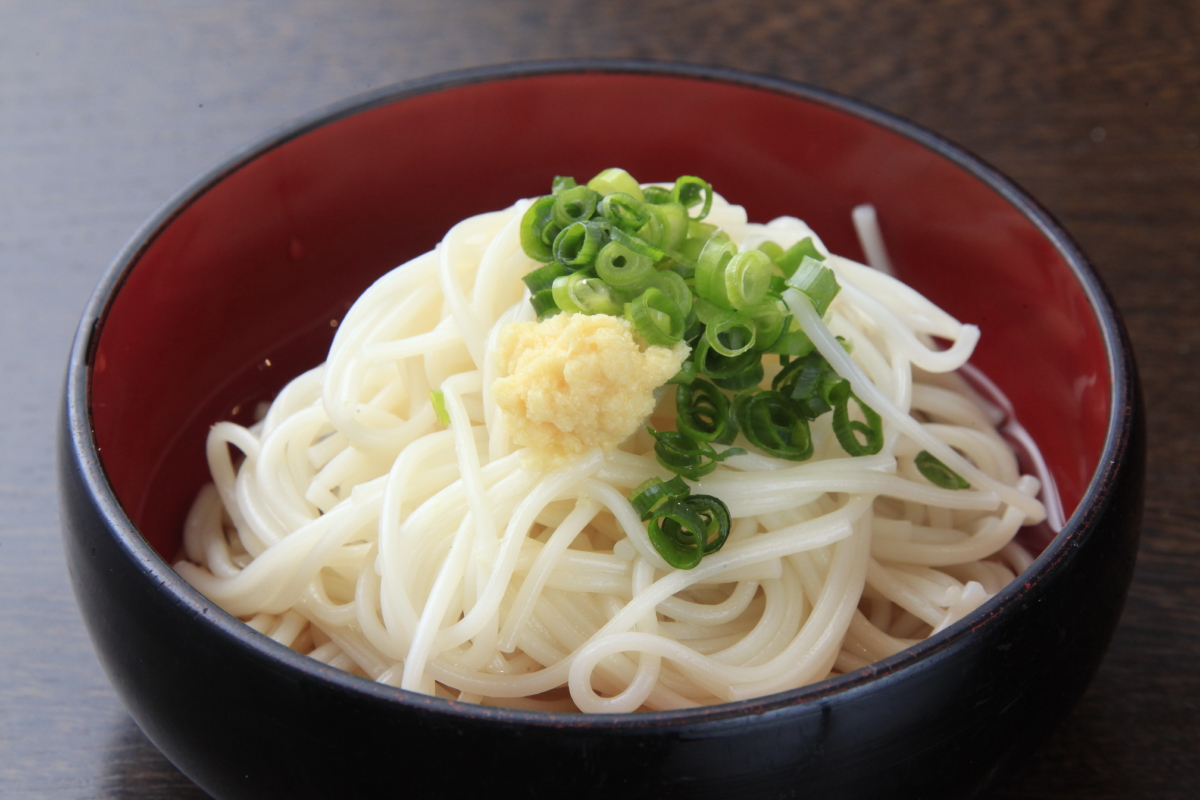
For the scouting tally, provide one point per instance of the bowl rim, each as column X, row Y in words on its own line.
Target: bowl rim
column 1057, row 554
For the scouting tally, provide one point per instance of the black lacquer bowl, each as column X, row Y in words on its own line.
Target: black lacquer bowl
column 228, row 292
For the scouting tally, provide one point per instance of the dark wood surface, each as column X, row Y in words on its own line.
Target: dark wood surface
column 107, row 107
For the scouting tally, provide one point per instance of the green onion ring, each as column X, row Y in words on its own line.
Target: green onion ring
column 653, row 493
column 774, row 424
column 656, row 317
column 622, row 268
column 576, row 245
column 536, row 219
column 938, row 473
column 702, row 411
column 846, row 429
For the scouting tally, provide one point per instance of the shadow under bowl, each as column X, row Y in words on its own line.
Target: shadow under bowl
column 235, row 285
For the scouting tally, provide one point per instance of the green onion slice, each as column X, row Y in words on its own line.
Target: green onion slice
column 622, row 268
column 561, row 183
column 773, row 250
column 538, row 218
column 587, row 294
column 574, row 205
column 791, row 258
column 769, row 320
column 938, row 473
column 792, row 342
column 678, row 534
column 625, row 212
column 637, row 244
column 543, row 277
column 438, row 398
column 673, row 220
column 686, row 530
column 710, row 270
column 735, row 373
column 808, row 382
column 656, row 195
column 675, row 287
column 774, row 424
column 656, row 317
column 817, row 281
column 689, row 190
column 730, row 333
column 716, row 516
column 543, row 303
column 702, row 411
column 685, row 456
column 686, row 374
column 654, row 493
column 616, row 180
column 577, row 245
column 715, row 365
column 847, row 430
column 747, row 278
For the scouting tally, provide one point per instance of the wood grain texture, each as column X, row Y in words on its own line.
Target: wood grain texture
column 106, row 109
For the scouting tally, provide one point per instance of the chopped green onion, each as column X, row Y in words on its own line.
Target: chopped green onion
column 730, row 333
column 791, row 259
column 574, row 205
column 678, row 534
column 846, row 430
column 716, row 516
column 715, row 365
column 543, row 277
column 438, row 397
column 674, row 287
column 577, row 244
column 938, row 473
column 772, row 250
column 652, row 494
column 686, row 374
column 710, row 270
column 817, row 281
column 656, row 317
column 543, row 303
column 685, row 456
column 656, row 194
column 673, row 219
column 769, row 320
column 625, row 212
column 774, row 424
column 792, row 343
column 637, row 244
column 747, row 278
column 561, row 183
column 686, row 530
column 537, row 221
column 698, row 236
column 688, row 191
column 800, row 380
column 622, row 268
column 616, row 180
column 587, row 294
column 702, row 411
column 734, row 373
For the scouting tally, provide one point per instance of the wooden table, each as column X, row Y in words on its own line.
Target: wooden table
column 106, row 108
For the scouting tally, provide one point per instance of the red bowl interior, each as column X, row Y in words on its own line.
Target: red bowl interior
column 238, row 291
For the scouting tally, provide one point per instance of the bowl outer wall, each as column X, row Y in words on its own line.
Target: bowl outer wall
column 222, row 708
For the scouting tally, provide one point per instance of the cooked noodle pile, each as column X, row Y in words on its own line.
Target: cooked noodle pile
column 350, row 525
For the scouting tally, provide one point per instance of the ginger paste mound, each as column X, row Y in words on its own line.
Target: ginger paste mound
column 578, row 381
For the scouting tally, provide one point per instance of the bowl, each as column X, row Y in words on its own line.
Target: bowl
column 230, row 289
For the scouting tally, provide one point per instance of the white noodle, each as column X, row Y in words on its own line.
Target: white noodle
column 349, row 525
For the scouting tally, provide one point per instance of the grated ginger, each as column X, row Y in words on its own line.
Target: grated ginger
column 578, row 381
